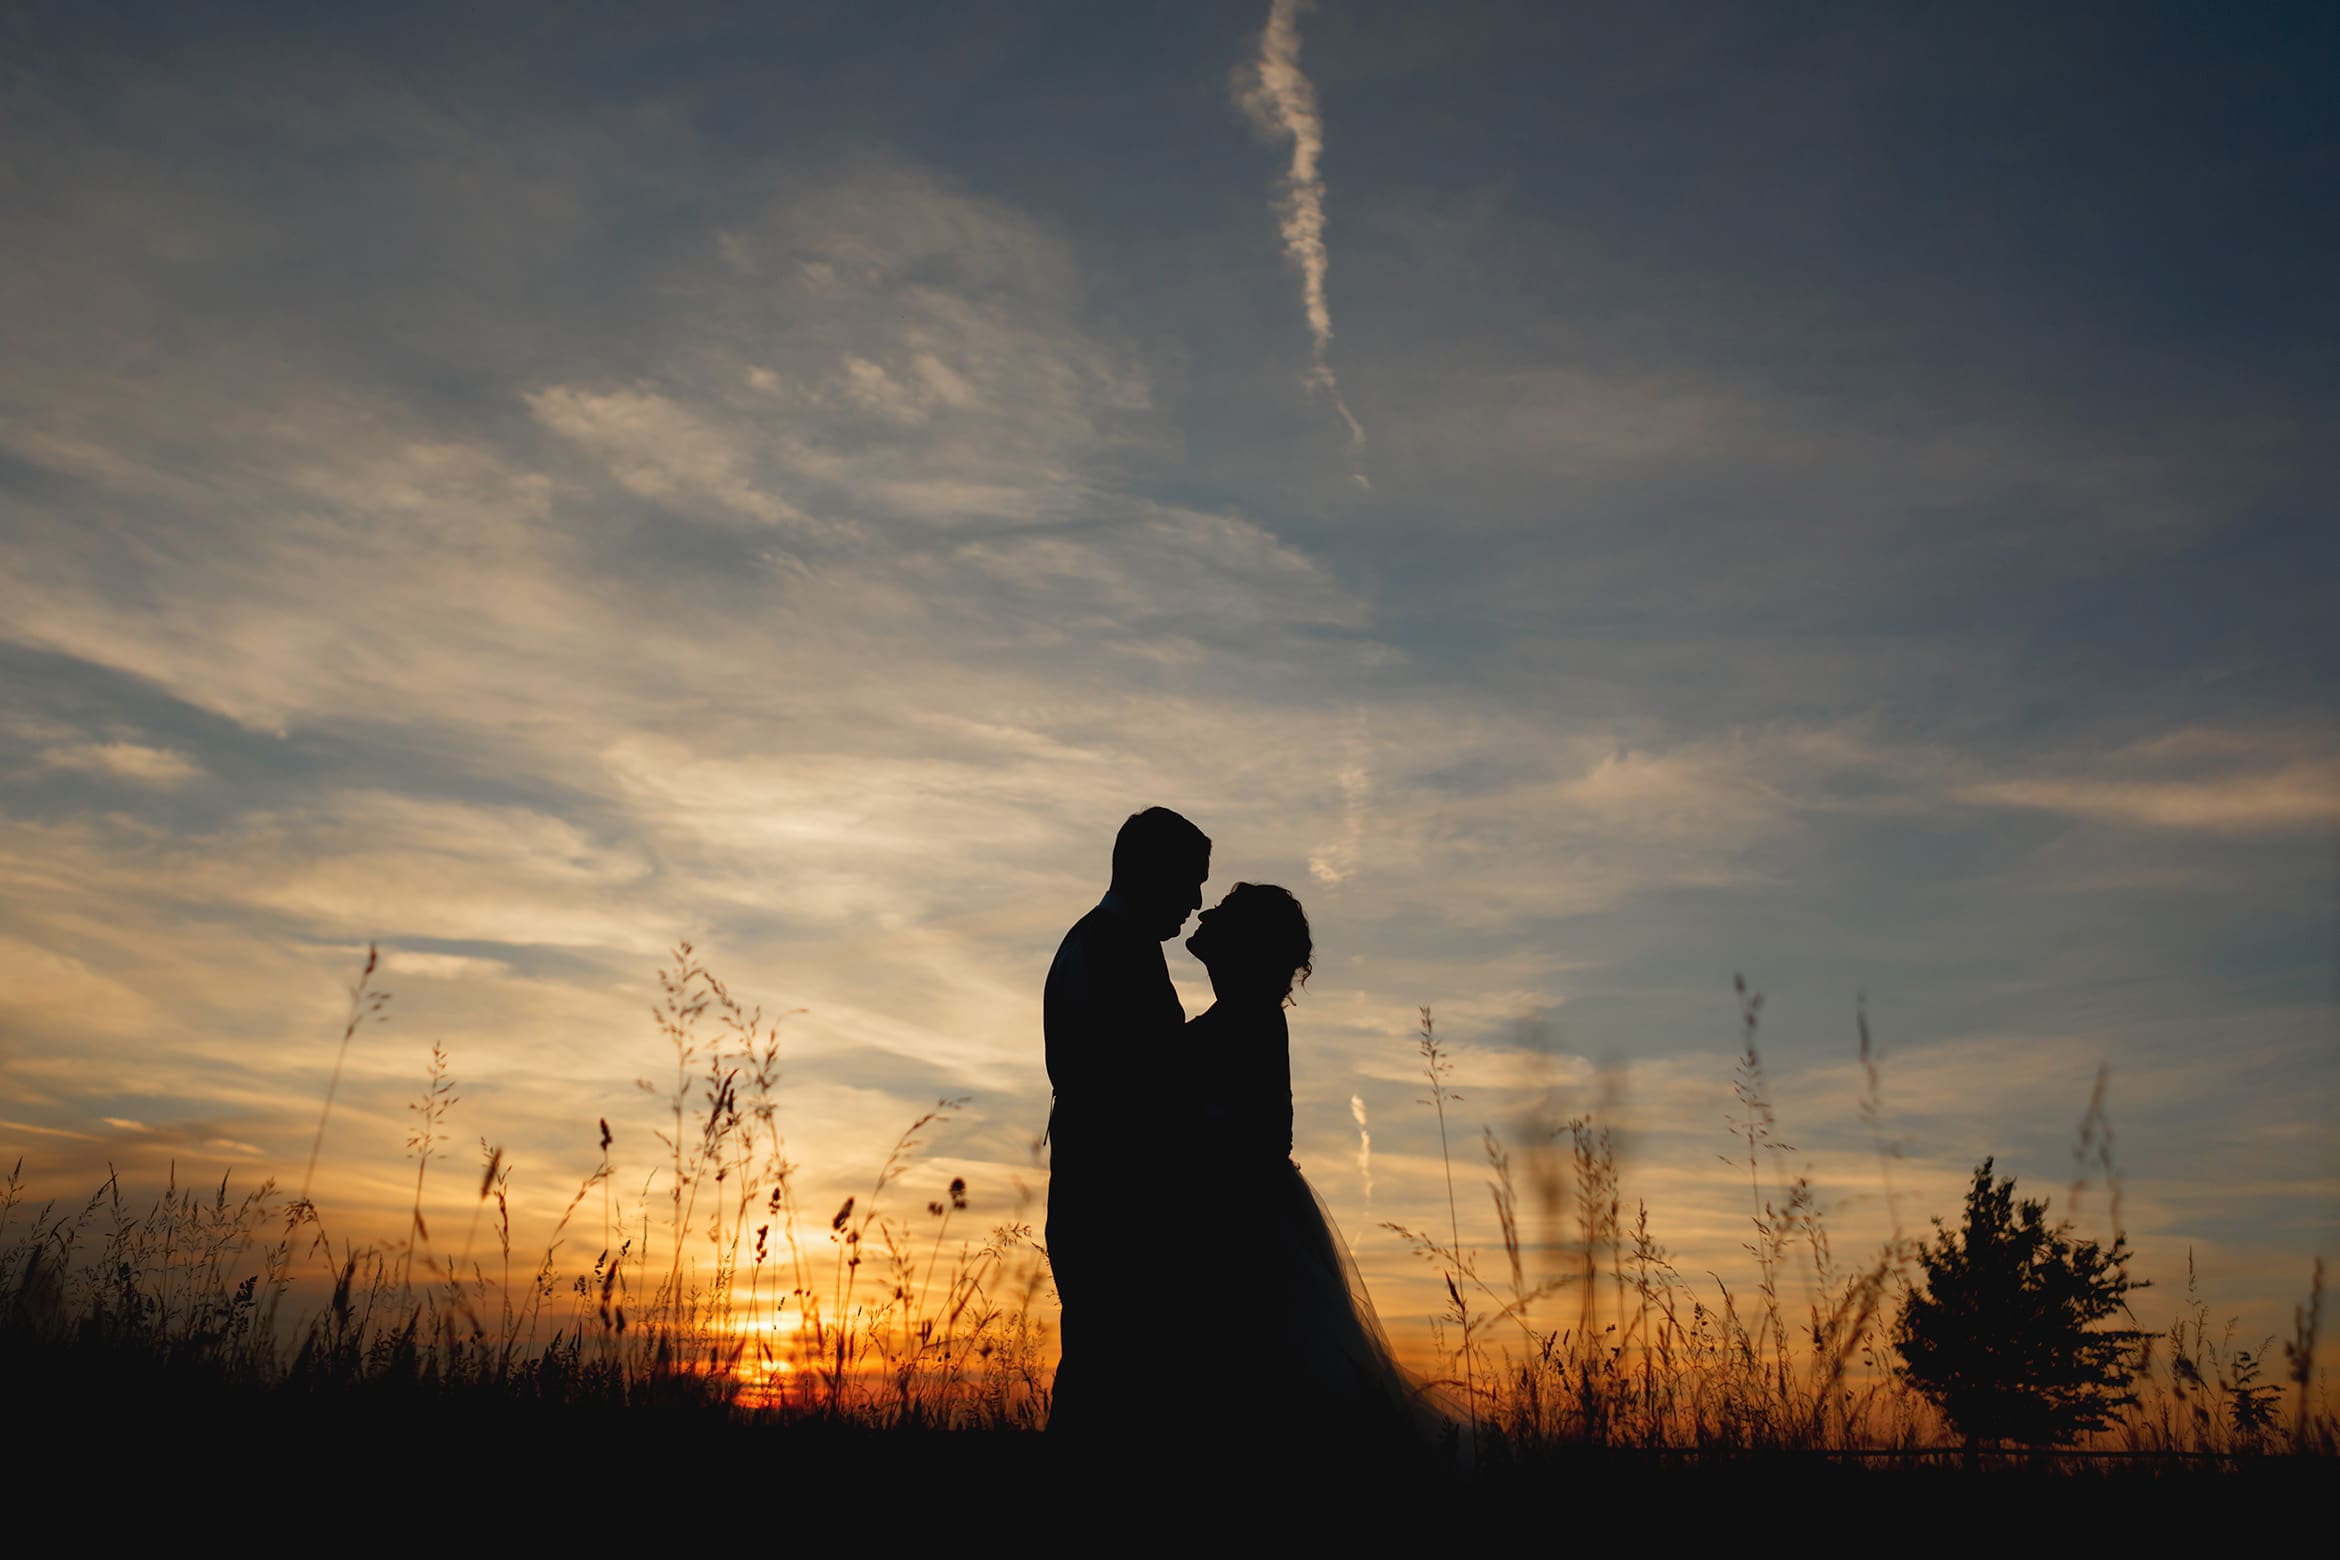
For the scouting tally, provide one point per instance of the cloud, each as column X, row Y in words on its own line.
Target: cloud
column 655, row 448
column 162, row 768
column 47, row 987
column 1340, row 858
column 1282, row 101
column 41, row 1131
column 1507, row 1068
column 2213, row 779
column 2294, row 799
column 441, row 966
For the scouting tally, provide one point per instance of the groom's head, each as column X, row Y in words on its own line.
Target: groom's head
column 1159, row 863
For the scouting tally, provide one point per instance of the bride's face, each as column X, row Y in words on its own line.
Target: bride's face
column 1205, row 943
column 1228, row 948
column 1247, row 942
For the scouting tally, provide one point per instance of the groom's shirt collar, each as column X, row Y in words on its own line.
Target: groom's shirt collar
column 1117, row 904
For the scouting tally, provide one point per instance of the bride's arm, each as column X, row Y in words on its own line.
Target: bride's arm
column 1283, row 1127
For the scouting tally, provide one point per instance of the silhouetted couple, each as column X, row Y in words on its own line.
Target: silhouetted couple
column 1211, row 1311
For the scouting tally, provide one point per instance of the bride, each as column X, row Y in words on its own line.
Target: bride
column 1322, row 1376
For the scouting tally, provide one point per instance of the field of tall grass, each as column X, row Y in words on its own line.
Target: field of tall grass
column 726, row 1301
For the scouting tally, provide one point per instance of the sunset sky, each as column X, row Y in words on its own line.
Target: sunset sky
column 1594, row 498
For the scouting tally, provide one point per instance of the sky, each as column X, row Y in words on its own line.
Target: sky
column 1596, row 499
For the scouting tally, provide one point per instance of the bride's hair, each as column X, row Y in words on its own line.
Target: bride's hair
column 1276, row 929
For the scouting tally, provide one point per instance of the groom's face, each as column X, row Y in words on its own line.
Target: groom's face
column 1180, row 896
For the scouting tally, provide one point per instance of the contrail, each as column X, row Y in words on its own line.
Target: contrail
column 1281, row 99
column 1364, row 1144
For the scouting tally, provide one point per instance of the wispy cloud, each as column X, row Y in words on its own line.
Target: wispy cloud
column 1338, row 859
column 2208, row 779
column 443, row 966
column 657, row 449
column 161, row 768
column 2286, row 800
column 39, row 1131
column 1281, row 99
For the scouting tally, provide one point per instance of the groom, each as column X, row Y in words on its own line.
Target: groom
column 1111, row 1021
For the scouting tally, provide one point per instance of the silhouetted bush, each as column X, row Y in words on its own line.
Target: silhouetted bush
column 2005, row 1337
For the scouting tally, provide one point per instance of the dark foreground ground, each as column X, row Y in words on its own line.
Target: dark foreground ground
column 119, row 1452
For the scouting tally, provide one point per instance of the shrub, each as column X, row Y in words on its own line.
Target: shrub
column 2005, row 1337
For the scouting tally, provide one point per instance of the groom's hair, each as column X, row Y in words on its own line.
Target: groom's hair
column 1158, row 844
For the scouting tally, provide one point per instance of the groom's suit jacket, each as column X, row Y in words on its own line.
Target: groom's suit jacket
column 1112, row 1022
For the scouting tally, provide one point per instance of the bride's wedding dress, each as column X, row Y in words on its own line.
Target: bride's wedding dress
column 1324, row 1367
